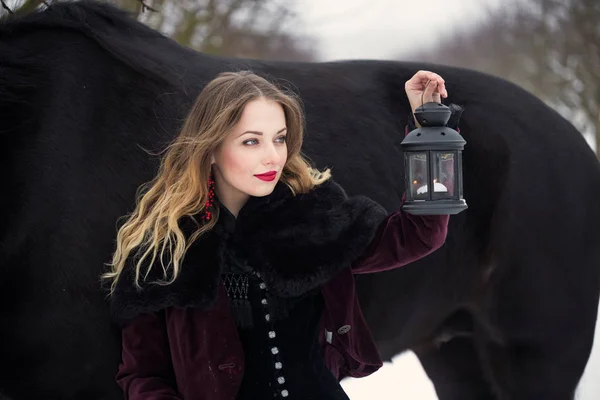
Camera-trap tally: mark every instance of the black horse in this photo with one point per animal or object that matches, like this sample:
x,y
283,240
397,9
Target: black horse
x,y
505,310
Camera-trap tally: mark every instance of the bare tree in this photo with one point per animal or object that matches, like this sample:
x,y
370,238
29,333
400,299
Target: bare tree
x,y
238,28
549,47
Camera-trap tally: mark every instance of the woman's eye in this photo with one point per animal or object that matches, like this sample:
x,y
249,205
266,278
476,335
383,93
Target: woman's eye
x,y
252,142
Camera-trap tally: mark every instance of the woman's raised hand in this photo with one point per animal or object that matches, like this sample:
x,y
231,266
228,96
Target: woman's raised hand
x,y
425,87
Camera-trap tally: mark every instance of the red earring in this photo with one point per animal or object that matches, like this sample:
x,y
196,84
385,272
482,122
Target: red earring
x,y
211,195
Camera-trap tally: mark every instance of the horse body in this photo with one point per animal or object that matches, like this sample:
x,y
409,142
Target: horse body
x,y
506,309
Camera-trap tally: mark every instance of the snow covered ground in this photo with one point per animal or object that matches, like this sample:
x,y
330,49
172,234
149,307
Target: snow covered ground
x,y
403,378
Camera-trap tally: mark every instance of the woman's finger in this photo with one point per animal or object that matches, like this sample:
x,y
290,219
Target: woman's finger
x,y
423,74
419,78
442,90
441,83
422,81
429,90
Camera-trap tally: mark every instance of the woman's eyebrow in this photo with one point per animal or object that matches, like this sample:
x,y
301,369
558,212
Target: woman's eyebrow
x,y
260,133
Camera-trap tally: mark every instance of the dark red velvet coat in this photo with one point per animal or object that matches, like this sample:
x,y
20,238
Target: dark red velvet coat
x,y
180,341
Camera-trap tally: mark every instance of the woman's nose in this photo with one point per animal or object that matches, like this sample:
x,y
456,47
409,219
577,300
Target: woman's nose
x,y
271,156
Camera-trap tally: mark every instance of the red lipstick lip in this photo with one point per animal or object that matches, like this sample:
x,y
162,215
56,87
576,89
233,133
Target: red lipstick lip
x,y
266,174
267,178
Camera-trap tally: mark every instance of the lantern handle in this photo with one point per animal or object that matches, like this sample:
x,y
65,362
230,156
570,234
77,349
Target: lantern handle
x,y
423,94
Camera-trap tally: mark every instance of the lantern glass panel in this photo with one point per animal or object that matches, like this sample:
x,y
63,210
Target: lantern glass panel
x,y
443,175
417,172
459,176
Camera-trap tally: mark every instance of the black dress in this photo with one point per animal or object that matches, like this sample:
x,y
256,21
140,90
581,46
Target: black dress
x,y
283,358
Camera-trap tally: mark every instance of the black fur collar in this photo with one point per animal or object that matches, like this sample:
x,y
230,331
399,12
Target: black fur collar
x,y
296,242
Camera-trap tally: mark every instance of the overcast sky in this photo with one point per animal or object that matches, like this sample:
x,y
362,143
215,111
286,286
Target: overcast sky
x,y
380,29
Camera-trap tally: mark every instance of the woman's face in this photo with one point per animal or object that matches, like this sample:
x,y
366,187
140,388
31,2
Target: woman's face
x,y
256,145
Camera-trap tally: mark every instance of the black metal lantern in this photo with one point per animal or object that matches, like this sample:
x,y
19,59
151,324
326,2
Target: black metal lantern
x,y
433,164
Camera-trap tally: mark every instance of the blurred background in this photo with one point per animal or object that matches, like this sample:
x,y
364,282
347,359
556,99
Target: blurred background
x,y
549,47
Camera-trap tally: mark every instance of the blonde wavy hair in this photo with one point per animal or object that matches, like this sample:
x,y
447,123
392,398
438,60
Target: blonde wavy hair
x,y
180,187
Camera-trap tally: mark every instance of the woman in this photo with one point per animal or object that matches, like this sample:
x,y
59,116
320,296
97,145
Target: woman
x,y
233,277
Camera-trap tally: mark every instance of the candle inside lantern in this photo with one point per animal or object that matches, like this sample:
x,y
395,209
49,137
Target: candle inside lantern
x,y
437,187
